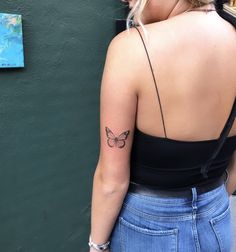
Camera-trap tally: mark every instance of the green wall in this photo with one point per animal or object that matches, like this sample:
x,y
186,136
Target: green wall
x,y
49,124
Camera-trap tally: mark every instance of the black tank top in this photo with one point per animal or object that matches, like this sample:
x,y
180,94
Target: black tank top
x,y
172,164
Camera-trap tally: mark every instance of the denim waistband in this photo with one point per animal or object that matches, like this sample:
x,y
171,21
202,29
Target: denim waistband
x,y
179,192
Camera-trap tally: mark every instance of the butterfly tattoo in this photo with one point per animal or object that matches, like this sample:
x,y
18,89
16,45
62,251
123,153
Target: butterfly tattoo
x,y
114,141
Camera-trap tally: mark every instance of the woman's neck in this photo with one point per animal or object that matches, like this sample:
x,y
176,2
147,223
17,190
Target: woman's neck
x,y
182,7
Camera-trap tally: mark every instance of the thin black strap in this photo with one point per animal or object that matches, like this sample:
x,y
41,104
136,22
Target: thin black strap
x,y
223,136
158,96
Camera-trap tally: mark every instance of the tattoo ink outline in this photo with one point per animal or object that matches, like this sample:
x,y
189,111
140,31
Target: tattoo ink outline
x,y
114,141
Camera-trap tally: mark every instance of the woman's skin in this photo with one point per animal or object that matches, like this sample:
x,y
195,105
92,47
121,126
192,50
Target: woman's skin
x,y
128,96
231,182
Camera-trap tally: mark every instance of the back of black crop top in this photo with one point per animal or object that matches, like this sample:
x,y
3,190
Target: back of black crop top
x,y
172,164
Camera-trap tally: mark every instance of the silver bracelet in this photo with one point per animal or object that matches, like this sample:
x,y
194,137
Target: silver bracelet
x,y
98,247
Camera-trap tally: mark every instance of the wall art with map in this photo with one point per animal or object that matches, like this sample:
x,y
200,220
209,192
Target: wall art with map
x,y
11,41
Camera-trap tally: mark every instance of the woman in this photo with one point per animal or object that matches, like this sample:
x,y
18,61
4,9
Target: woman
x,y
168,89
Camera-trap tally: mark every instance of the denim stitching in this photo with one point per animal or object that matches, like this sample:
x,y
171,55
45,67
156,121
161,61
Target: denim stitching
x,y
153,217
159,201
176,241
122,248
213,221
172,217
147,231
171,233
165,201
211,210
194,217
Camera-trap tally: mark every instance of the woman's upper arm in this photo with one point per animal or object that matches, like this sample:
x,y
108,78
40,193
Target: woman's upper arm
x,y
118,102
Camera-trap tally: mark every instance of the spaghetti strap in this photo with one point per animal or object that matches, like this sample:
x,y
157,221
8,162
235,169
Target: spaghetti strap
x,y
158,96
221,140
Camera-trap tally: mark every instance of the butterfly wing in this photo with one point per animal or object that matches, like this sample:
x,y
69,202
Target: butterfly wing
x,y
124,135
109,133
111,137
121,139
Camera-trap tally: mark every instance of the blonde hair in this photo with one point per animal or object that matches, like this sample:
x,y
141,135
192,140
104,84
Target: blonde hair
x,y
135,15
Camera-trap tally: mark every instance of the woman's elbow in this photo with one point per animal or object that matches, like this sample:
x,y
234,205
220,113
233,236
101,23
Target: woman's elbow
x,y
111,183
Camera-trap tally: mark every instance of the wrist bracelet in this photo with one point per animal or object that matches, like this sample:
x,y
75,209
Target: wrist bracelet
x,y
98,247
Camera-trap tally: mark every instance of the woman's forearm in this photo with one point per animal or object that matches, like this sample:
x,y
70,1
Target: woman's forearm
x,y
107,201
231,183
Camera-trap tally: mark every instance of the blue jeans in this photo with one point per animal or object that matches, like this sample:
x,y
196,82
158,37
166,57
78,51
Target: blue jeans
x,y
201,223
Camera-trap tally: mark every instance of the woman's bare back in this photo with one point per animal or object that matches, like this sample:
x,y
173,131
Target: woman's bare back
x,y
193,58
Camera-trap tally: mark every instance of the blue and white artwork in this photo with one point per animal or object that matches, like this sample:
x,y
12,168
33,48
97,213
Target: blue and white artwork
x,y
11,41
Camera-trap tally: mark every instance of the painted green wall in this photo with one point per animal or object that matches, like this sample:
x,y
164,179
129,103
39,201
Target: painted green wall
x,y
49,124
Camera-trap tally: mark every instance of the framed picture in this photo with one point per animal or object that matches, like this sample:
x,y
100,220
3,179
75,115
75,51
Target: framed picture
x,y
11,41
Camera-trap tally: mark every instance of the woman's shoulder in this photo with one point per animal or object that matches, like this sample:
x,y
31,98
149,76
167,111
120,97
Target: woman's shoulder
x,y
125,44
